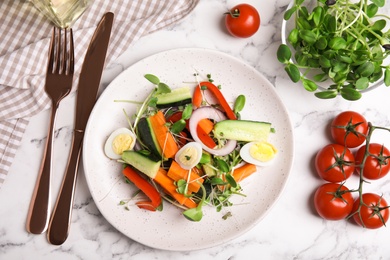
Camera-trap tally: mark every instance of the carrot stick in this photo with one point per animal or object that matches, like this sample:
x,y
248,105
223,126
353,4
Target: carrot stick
x,y
189,203
169,187
176,173
206,125
244,171
164,137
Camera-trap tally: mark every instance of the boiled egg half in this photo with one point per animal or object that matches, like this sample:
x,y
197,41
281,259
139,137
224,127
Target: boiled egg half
x,y
258,153
119,141
189,155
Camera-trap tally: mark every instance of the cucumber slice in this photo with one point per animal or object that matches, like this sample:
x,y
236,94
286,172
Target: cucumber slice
x,y
142,163
148,138
177,97
242,130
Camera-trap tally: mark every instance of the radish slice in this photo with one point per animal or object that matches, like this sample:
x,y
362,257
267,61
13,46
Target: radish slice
x,y
216,115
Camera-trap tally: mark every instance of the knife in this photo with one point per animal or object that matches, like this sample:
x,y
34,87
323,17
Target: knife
x,y
88,87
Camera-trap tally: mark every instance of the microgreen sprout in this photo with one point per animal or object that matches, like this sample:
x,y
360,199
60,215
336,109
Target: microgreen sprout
x,y
196,214
341,41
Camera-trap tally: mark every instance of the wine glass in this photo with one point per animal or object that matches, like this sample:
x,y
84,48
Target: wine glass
x,y
63,13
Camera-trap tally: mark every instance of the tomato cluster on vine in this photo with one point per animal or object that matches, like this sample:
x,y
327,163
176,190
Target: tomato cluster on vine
x,y
352,152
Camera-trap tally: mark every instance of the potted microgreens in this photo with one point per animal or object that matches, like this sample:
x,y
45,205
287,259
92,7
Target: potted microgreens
x,y
336,47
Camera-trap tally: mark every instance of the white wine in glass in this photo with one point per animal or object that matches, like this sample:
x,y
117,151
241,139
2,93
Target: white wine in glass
x,y
63,13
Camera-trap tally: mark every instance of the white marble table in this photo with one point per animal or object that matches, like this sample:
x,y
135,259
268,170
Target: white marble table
x,y
291,230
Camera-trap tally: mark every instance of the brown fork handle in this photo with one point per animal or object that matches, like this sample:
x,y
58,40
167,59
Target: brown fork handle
x,y
60,220
39,211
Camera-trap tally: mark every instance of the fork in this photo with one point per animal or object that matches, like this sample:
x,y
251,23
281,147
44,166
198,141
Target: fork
x,y
59,78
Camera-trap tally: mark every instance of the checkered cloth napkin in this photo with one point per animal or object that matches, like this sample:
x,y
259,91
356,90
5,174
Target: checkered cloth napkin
x,y
24,43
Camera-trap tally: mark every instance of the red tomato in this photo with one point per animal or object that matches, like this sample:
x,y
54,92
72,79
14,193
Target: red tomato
x,y
377,163
373,211
349,128
333,201
242,21
335,163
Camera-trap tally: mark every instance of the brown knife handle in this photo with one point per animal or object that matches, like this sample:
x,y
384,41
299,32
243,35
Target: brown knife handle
x,y
60,220
39,211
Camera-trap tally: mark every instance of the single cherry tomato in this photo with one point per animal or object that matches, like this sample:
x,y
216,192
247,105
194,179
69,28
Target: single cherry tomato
x,y
333,201
349,128
335,163
377,163
373,213
242,21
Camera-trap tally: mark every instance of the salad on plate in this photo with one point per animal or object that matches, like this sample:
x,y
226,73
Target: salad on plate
x,y
189,147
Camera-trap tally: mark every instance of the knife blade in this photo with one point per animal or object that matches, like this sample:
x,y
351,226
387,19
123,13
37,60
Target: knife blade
x,y
88,87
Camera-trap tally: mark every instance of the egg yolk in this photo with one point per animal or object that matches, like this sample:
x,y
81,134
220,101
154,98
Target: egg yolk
x,y
188,156
121,143
262,151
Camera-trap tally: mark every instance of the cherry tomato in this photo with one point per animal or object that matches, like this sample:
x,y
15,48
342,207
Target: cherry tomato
x,y
333,201
349,128
374,211
335,163
377,163
242,21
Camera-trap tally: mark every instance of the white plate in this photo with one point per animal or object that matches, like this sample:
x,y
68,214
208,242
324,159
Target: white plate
x,y
168,229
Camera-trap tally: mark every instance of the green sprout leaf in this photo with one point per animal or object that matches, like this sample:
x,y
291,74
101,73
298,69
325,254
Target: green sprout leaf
x,y
327,94
284,53
293,72
362,83
163,88
387,76
379,3
309,85
350,94
289,13
152,78
239,104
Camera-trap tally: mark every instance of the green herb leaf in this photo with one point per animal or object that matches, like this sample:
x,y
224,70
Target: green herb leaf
x,y
187,112
163,88
293,36
152,78
308,36
366,69
350,94
181,186
283,53
387,76
362,83
309,85
231,180
378,25
379,3
318,15
222,165
327,94
239,104
321,43
293,72
178,126
217,181
372,10
337,43
289,12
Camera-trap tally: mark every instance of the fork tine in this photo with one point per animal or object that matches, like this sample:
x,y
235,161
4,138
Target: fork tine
x,y
58,55
71,53
51,51
64,54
